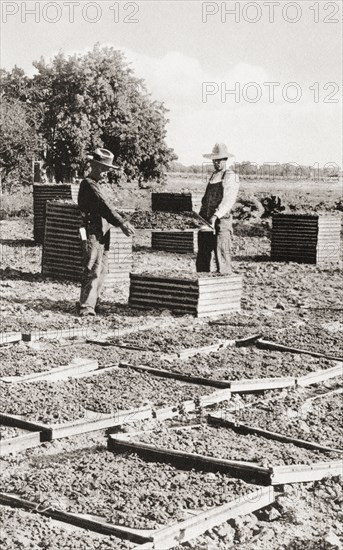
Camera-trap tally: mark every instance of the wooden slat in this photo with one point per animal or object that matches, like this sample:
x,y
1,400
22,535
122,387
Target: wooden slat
x,y
218,306
204,401
19,443
219,280
65,235
143,285
183,299
267,344
178,376
100,421
187,460
151,279
184,531
190,352
243,428
206,291
320,376
152,303
248,340
64,240
9,337
215,313
259,384
188,294
304,473
80,520
19,422
76,366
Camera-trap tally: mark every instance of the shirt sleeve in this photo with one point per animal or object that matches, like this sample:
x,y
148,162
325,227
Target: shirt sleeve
x,y
231,187
106,209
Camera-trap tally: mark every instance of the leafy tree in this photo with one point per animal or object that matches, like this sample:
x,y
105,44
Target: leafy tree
x,y
14,84
18,141
95,100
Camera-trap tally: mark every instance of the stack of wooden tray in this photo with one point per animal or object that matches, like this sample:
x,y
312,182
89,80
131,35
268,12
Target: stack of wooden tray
x,y
176,202
304,238
43,192
63,248
199,294
181,242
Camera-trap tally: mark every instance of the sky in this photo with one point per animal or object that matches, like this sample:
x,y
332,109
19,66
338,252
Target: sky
x,y
263,77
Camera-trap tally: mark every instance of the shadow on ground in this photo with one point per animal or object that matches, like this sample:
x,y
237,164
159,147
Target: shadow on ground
x,y
9,274
255,258
18,242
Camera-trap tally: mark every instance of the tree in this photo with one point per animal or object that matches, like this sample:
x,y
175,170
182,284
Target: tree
x,y
95,100
14,84
18,140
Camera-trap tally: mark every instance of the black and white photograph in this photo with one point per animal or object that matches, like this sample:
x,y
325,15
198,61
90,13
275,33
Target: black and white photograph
x,y
171,278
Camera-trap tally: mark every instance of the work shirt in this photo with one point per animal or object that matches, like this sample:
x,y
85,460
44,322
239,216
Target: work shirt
x,y
97,210
220,195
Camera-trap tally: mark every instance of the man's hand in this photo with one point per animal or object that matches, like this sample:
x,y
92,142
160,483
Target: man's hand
x,y
213,221
127,229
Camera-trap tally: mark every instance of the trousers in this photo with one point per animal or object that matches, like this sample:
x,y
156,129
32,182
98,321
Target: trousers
x,y
219,245
95,258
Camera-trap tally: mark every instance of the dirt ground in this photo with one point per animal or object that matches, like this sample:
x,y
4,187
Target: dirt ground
x,y
295,304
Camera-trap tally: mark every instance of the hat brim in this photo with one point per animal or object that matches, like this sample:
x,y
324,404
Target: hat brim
x,y
109,166
217,157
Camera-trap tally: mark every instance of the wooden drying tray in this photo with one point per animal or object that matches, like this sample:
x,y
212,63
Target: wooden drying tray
x,y
236,386
98,421
242,470
273,475
76,367
219,420
164,538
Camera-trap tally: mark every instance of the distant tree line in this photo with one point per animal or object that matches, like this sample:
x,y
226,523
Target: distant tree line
x,y
75,104
291,171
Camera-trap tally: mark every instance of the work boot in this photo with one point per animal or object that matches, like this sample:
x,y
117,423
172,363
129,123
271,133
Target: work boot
x,y
86,311
101,307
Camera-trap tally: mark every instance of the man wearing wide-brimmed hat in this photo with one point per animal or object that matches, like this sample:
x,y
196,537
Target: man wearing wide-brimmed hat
x,y
98,214
217,203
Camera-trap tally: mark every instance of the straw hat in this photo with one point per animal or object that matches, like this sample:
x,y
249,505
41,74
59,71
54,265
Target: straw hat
x,y
104,157
219,151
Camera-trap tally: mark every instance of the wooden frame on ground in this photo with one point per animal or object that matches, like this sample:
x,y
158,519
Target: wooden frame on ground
x,y
98,421
164,538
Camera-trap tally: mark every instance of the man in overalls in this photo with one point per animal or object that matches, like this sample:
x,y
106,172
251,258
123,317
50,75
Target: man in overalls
x,y
220,196
98,214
